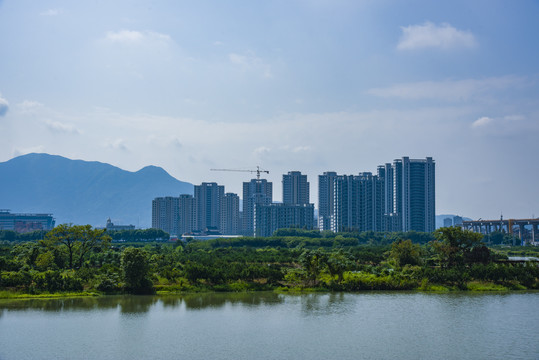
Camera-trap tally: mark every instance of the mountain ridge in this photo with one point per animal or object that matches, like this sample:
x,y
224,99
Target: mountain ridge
x,y
84,192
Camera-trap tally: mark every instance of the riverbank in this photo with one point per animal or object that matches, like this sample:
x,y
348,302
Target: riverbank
x,y
472,286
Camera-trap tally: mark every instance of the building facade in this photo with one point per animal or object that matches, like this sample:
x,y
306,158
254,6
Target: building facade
x,y
418,195
187,214
110,226
358,203
23,223
208,197
325,199
295,188
400,197
165,214
256,191
271,217
230,215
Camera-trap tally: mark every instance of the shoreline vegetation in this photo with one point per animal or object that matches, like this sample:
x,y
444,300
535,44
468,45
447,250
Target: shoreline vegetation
x,y
75,261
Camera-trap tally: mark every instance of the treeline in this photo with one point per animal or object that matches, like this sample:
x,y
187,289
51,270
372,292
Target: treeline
x,y
10,235
138,235
79,258
116,235
365,237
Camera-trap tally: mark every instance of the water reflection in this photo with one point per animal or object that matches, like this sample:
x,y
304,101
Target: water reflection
x,y
126,304
141,304
218,300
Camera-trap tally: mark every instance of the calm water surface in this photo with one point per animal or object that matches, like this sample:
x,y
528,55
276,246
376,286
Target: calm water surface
x,y
373,325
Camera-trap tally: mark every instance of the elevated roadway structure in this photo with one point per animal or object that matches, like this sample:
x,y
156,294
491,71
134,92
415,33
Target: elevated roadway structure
x,y
527,230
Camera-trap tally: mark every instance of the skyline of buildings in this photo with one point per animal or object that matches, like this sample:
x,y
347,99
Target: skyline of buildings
x,y
399,197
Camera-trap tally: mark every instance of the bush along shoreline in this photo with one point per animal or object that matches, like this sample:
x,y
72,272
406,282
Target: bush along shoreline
x,y
73,260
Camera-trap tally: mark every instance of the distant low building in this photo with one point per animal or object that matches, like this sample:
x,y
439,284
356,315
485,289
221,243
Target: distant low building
x,y
112,227
23,223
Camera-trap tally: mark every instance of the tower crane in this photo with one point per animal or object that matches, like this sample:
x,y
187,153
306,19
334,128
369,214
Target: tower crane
x,y
257,171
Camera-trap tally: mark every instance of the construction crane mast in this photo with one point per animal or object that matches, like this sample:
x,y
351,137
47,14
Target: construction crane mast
x,y
257,171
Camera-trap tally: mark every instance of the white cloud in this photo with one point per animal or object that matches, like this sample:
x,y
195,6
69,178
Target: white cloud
x,y
299,149
51,12
117,144
250,62
4,106
507,125
132,36
261,151
29,107
429,35
449,90
482,121
59,127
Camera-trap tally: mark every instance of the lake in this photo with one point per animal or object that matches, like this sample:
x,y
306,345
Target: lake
x,y
370,325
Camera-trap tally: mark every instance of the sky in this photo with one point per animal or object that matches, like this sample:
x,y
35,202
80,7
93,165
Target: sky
x,y
311,86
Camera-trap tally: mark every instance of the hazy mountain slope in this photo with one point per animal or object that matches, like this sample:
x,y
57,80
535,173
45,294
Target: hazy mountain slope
x,y
84,192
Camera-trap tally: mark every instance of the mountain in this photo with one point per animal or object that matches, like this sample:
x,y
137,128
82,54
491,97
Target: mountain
x,y
84,192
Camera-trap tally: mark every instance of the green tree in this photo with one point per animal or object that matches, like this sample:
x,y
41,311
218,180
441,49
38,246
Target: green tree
x,y
312,262
136,271
78,240
338,262
404,252
453,245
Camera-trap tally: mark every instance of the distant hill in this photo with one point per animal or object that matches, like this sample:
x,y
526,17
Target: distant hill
x,y
83,192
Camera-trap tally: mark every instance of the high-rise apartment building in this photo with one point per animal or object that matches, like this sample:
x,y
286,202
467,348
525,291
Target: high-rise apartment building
x,y
208,197
410,195
165,214
325,199
345,216
295,188
230,214
371,202
256,191
418,198
358,203
187,214
269,218
295,211
400,197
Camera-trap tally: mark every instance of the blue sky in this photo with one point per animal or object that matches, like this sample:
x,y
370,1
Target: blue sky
x,y
288,85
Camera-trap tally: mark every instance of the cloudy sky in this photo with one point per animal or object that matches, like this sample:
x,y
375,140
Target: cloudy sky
x,y
314,86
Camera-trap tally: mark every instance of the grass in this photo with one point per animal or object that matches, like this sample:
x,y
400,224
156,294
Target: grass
x,y
19,295
485,286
